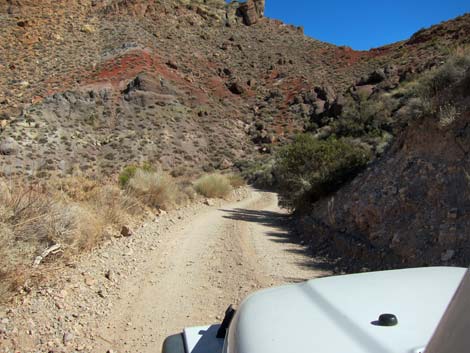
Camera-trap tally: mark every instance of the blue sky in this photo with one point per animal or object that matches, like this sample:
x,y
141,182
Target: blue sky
x,y
364,24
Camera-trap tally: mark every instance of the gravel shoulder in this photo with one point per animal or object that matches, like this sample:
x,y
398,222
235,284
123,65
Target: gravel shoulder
x,y
178,270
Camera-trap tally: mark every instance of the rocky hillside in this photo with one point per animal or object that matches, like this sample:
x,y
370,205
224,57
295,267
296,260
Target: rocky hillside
x,y
97,85
410,207
90,87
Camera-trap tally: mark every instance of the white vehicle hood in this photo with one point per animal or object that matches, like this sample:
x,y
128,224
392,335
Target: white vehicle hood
x,y
338,314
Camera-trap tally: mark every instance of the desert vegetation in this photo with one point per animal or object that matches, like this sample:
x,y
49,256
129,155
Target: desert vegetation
x,y
155,188
309,169
70,215
439,91
74,214
334,149
213,185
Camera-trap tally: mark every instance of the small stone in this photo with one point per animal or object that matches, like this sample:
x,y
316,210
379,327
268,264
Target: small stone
x,y
171,64
89,281
8,146
109,274
453,213
126,231
67,338
447,255
209,202
88,29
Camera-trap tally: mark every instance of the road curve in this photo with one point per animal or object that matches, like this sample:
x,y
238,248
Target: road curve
x,y
212,259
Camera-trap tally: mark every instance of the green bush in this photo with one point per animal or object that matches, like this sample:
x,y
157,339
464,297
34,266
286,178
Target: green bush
x,y
431,83
259,173
309,169
213,185
128,172
451,72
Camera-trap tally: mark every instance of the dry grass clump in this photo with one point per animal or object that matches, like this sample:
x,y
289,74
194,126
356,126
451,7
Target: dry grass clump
x,y
76,188
155,189
31,220
236,181
213,185
114,205
73,212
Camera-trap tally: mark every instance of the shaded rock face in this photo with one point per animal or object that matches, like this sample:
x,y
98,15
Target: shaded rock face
x,y
410,209
251,11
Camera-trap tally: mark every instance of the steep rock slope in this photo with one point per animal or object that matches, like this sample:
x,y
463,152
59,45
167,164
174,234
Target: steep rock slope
x,y
410,208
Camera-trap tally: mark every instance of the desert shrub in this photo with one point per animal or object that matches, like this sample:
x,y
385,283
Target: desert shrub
x,y
76,188
128,172
213,185
114,205
179,171
77,227
188,190
309,169
35,217
28,212
430,84
40,218
154,188
365,117
447,114
236,180
72,212
259,173
446,75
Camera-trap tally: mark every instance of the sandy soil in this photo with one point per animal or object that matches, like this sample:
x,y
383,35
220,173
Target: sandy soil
x,y
180,270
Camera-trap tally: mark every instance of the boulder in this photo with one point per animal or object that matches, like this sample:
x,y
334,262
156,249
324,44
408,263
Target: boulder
x,y
362,92
225,164
235,87
319,107
150,83
374,78
251,11
8,146
336,109
325,93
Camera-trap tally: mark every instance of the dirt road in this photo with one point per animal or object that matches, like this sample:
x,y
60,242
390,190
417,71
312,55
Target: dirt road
x,y
177,271
215,259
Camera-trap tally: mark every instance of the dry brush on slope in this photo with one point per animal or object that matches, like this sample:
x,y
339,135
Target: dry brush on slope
x,y
68,216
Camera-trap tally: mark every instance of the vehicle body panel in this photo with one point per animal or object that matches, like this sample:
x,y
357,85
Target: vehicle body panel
x,y
337,314
202,339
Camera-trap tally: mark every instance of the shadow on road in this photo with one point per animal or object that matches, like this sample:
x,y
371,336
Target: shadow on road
x,y
281,232
267,218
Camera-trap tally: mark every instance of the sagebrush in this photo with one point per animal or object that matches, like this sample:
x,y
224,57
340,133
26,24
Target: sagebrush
x,y
213,185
